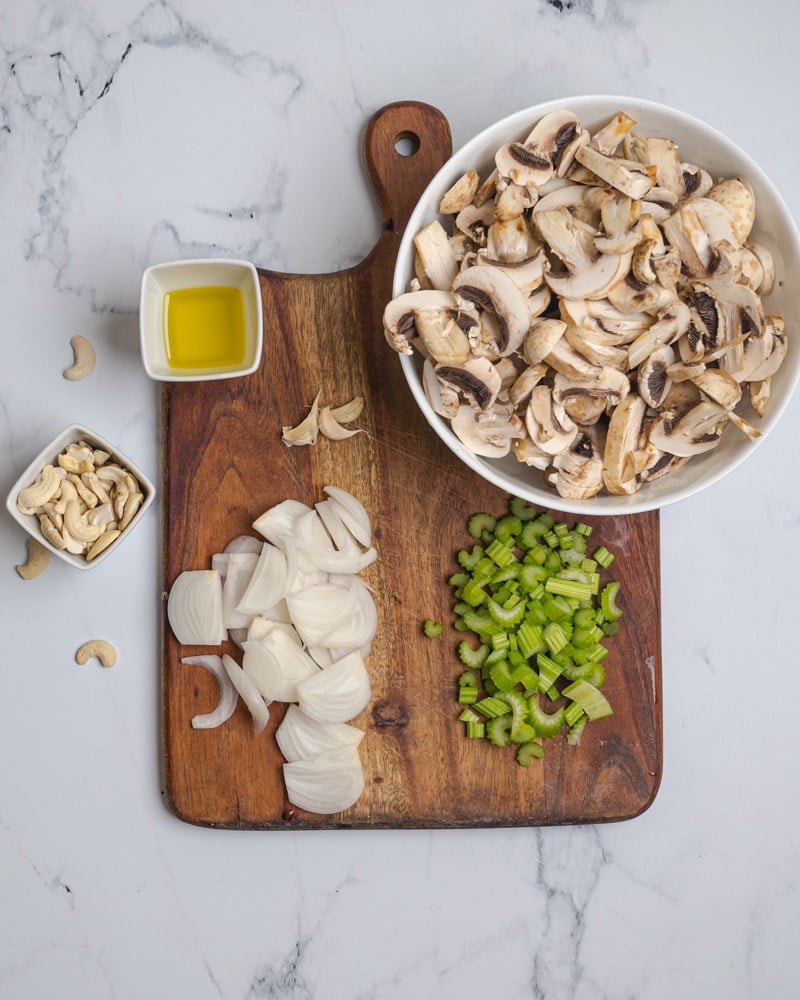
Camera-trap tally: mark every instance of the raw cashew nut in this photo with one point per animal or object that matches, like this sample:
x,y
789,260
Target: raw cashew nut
x,y
38,560
83,351
105,652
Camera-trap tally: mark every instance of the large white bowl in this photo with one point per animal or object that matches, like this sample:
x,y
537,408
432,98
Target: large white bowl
x,y
698,143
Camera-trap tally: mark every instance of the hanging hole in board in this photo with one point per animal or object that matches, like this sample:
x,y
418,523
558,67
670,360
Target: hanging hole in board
x,y
406,143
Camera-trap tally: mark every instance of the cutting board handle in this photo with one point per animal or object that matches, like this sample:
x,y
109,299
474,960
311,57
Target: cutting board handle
x,y
404,145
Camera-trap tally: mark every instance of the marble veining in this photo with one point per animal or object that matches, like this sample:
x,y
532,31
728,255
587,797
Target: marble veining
x,y
133,132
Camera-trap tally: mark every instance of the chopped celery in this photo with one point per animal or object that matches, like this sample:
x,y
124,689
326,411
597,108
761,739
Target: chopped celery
x,y
525,751
472,657
431,628
534,598
498,730
480,523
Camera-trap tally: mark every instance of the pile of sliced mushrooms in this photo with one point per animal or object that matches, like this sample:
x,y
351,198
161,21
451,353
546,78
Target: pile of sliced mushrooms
x,y
594,306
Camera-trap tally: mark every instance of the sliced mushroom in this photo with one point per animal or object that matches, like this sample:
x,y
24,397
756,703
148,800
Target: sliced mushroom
x,y
509,239
489,434
720,387
764,257
736,195
443,338
608,138
492,290
541,338
586,400
590,274
520,392
477,379
550,427
460,194
670,324
696,432
652,379
627,176
443,398
400,315
577,473
435,256
622,442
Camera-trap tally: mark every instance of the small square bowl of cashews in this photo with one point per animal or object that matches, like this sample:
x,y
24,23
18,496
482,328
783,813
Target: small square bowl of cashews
x,y
80,497
595,305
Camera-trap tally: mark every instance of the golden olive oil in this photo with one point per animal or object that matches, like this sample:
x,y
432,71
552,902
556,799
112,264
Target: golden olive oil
x,y
204,327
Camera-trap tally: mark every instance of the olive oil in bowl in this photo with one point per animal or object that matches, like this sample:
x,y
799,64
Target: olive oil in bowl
x,y
204,327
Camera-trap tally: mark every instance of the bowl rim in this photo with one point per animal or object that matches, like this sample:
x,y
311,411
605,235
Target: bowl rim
x,y
473,152
254,283
76,432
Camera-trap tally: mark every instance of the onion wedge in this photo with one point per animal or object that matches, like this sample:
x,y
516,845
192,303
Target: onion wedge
x,y
330,783
194,608
248,692
268,582
299,737
228,695
337,693
353,513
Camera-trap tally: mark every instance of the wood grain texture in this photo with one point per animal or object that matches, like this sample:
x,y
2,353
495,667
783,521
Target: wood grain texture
x,y
224,463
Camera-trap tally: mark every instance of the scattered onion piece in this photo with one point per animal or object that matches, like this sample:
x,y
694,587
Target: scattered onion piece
x,y
194,608
327,784
353,513
228,695
248,692
299,737
337,693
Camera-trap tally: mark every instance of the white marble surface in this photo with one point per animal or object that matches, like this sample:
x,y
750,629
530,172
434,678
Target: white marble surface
x,y
134,131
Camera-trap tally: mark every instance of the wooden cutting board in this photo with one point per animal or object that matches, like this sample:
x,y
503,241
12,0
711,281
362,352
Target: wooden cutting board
x,y
224,464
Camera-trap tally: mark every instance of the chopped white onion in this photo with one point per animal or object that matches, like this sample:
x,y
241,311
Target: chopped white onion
x,y
318,609
237,579
244,543
328,784
337,693
268,582
194,608
353,513
335,526
248,692
294,663
358,630
300,737
228,695
305,623
279,520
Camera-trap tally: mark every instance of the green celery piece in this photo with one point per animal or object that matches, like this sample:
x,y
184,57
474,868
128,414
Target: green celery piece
x,y
593,702
431,628
555,637
575,731
522,509
469,558
546,724
498,730
492,706
574,713
521,729
500,553
476,730
472,657
529,639
501,675
508,528
603,556
527,751
505,617
480,523
467,715
549,671
608,601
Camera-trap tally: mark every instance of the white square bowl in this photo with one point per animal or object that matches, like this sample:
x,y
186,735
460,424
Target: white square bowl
x,y
161,279
49,455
